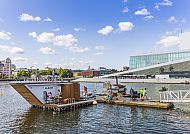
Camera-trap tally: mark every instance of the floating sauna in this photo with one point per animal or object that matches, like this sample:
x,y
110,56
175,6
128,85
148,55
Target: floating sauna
x,y
51,95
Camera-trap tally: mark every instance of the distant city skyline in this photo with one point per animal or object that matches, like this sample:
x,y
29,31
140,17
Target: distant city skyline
x,y
78,33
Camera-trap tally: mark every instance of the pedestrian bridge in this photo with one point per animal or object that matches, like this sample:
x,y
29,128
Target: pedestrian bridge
x,y
175,96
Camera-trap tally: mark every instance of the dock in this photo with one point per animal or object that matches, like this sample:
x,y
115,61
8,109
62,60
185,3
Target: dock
x,y
137,103
65,107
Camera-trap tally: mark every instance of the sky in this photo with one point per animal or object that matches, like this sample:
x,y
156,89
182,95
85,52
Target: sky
x,y
78,33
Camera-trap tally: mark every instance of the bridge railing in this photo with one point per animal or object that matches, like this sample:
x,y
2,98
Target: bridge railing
x,y
175,96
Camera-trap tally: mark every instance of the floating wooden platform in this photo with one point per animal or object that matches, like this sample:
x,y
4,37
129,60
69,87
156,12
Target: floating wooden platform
x,y
33,93
139,103
64,107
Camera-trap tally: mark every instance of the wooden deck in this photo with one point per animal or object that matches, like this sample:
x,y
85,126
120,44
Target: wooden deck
x,y
64,107
137,103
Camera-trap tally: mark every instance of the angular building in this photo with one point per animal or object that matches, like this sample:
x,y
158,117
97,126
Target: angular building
x,y
174,64
140,61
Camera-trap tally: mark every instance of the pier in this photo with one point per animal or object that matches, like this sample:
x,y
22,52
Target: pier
x,y
136,103
65,107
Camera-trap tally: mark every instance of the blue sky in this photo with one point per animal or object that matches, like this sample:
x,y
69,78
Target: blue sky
x,y
78,33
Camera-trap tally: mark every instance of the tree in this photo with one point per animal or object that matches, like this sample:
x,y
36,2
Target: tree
x,y
45,72
65,73
23,73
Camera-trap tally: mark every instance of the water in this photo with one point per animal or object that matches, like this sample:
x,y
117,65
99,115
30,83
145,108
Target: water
x,y
17,116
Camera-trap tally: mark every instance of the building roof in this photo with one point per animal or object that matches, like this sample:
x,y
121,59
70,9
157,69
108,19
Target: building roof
x,y
145,68
150,54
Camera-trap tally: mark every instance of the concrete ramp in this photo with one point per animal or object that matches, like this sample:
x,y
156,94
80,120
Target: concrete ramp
x,y
26,94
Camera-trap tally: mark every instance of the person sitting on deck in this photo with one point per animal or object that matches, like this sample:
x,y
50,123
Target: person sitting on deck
x,y
50,97
132,92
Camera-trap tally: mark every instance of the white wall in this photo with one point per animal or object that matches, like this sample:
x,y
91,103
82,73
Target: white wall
x,y
38,89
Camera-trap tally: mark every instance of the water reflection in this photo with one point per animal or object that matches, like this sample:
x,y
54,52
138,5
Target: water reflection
x,y
40,121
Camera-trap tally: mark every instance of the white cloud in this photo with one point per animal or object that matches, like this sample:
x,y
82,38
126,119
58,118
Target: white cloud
x,y
125,26
143,12
149,17
106,30
56,29
33,34
47,50
84,63
168,41
98,53
1,20
10,49
16,50
99,47
27,17
45,37
68,41
172,19
163,3
65,40
184,40
77,49
20,59
181,41
48,64
125,10
157,7
176,31
77,29
48,19
5,35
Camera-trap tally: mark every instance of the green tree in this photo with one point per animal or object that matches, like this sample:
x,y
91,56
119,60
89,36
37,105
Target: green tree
x,y
23,73
65,73
45,72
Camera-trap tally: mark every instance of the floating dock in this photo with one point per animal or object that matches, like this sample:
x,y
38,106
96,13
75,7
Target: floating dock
x,y
136,103
56,96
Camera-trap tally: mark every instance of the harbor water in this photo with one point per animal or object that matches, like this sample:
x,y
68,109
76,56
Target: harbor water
x,y
17,116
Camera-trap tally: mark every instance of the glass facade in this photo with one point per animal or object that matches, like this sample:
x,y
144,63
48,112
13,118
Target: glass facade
x,y
147,60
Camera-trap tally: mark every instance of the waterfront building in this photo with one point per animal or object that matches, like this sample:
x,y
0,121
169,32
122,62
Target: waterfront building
x,y
174,64
77,73
6,68
140,61
104,71
90,73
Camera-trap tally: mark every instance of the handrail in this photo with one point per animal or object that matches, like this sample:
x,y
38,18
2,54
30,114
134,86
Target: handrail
x,y
175,96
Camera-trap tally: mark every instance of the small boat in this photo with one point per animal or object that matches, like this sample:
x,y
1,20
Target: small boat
x,y
118,88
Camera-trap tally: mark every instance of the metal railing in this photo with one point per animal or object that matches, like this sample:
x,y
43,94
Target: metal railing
x,y
175,96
